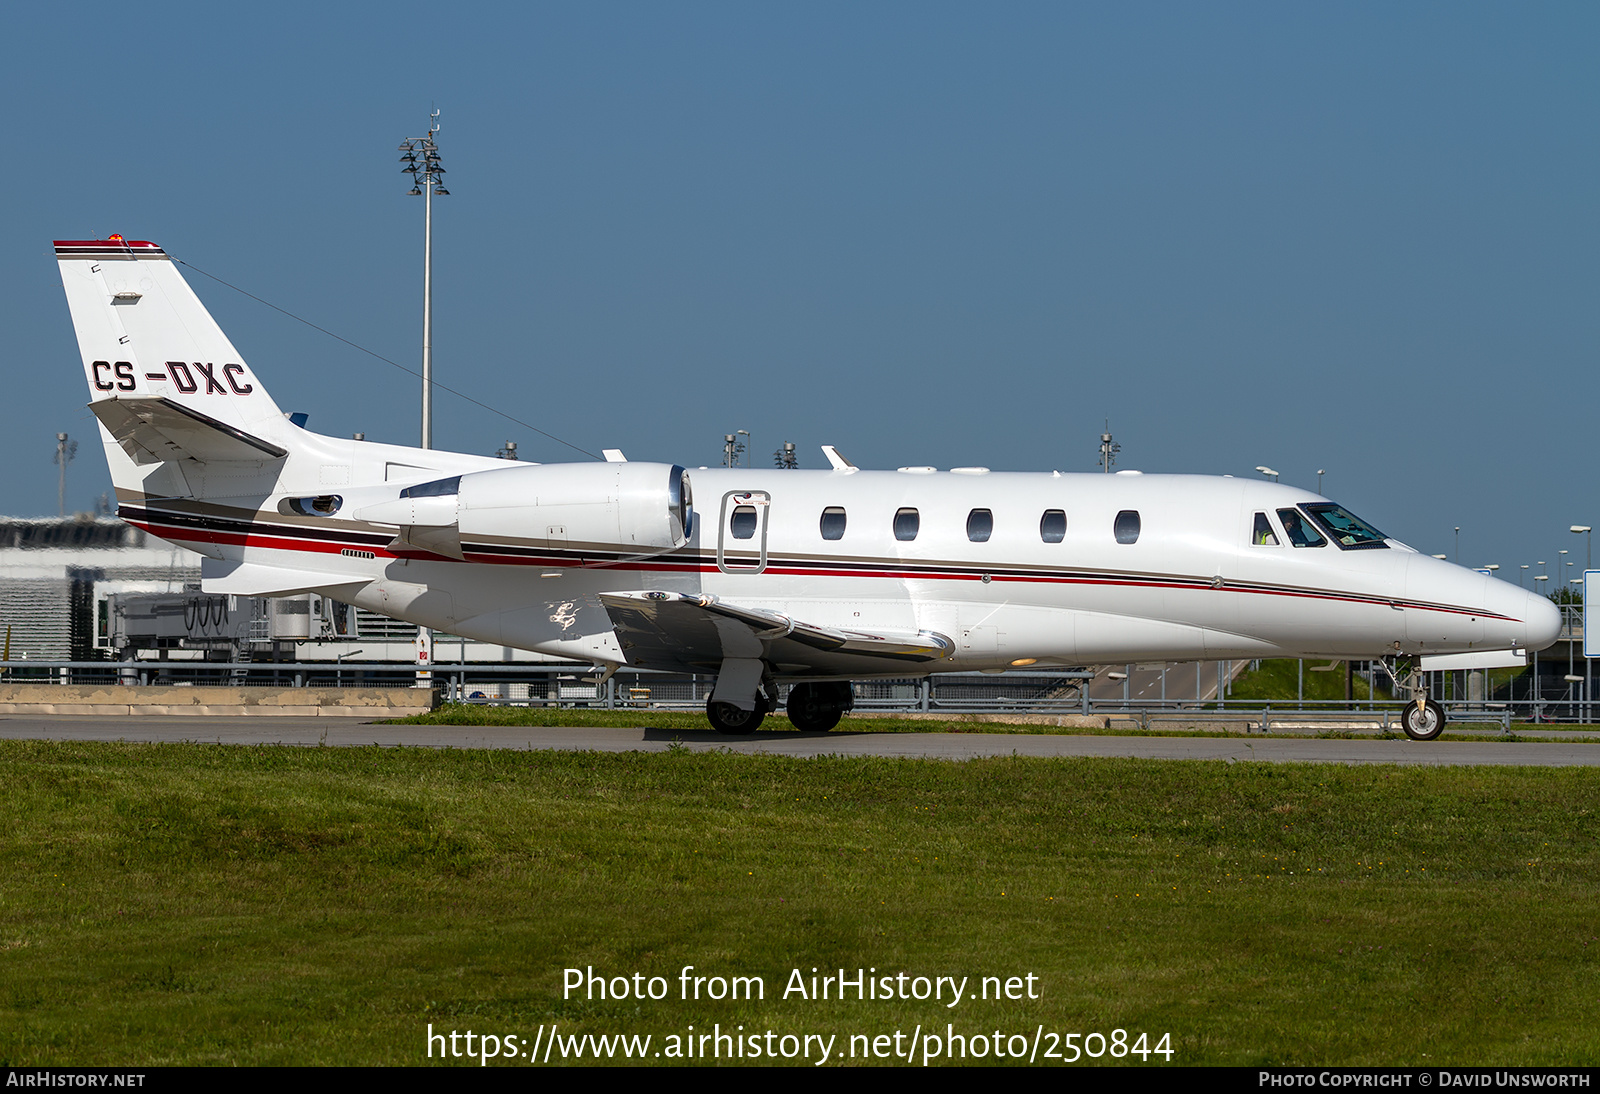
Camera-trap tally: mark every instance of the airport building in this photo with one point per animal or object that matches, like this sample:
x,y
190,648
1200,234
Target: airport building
x,y
88,588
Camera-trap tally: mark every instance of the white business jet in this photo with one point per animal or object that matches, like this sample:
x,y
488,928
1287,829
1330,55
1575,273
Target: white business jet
x,y
807,578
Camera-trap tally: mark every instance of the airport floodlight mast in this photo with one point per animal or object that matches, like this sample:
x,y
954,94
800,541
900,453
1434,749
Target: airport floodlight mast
x,y
1268,472
420,159
785,458
66,449
1588,538
734,449
1108,449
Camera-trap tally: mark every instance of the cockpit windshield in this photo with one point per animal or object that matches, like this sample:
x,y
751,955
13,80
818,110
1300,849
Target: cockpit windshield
x,y
1300,532
1346,529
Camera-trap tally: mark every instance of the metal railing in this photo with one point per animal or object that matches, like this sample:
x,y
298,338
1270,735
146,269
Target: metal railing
x,y
578,685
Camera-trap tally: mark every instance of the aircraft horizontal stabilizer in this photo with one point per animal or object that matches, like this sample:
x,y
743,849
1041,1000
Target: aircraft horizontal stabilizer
x,y
155,429
254,579
698,632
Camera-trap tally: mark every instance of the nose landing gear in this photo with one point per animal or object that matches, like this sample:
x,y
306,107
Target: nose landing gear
x,y
1422,719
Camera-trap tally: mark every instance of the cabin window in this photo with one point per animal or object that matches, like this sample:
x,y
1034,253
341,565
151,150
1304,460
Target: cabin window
x,y
1127,526
742,525
1299,529
906,523
1263,534
833,522
1053,526
1346,529
980,525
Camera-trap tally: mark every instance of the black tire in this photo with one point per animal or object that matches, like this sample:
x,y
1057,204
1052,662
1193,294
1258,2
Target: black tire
x,y
1424,724
727,718
817,708
812,709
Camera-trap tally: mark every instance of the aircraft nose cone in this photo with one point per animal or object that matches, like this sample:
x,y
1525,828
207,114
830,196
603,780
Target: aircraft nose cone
x,y
1543,621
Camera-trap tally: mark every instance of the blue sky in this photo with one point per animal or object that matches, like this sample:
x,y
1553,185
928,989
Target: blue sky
x,y
1358,237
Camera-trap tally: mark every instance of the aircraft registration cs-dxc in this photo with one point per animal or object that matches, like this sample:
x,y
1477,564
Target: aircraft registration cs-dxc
x,y
804,578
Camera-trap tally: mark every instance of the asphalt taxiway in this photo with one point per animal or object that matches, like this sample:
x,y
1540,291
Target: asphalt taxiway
x,y
346,733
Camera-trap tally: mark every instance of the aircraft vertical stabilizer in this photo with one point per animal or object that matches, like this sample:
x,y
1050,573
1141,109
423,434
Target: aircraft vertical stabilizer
x,y
164,380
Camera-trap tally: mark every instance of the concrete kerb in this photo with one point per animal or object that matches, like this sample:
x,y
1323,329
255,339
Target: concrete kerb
x,y
215,701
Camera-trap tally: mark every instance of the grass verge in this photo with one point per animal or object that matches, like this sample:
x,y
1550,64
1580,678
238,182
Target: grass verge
x,y
199,904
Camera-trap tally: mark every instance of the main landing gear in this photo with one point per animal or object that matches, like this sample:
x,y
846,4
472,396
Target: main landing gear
x,y
817,708
813,708
727,718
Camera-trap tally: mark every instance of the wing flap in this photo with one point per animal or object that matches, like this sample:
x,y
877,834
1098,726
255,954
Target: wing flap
x,y
697,633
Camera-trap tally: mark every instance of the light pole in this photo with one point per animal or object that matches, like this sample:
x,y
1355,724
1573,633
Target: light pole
x,y
66,449
1108,449
1588,564
1457,558
1268,472
1320,473
420,157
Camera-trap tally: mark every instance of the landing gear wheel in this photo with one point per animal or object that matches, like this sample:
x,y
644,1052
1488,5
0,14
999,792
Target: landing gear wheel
x,y
727,718
817,708
1424,724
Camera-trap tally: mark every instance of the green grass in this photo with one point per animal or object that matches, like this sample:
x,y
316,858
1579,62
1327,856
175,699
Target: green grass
x,y
195,904
1278,681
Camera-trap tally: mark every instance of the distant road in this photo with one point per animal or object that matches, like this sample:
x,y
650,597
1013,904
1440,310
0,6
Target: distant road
x,y
948,746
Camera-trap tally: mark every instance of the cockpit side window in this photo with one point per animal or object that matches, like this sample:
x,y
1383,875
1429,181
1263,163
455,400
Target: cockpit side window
x,y
1263,535
1299,529
1346,529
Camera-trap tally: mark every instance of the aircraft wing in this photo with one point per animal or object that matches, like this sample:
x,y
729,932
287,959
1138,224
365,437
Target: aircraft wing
x,y
686,632
153,429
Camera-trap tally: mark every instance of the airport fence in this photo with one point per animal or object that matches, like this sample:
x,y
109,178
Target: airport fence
x,y
577,685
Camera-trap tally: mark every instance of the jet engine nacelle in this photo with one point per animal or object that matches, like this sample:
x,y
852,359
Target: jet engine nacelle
x,y
627,508
635,508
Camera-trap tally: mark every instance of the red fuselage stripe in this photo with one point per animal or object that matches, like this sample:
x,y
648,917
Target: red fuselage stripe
x,y
286,542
